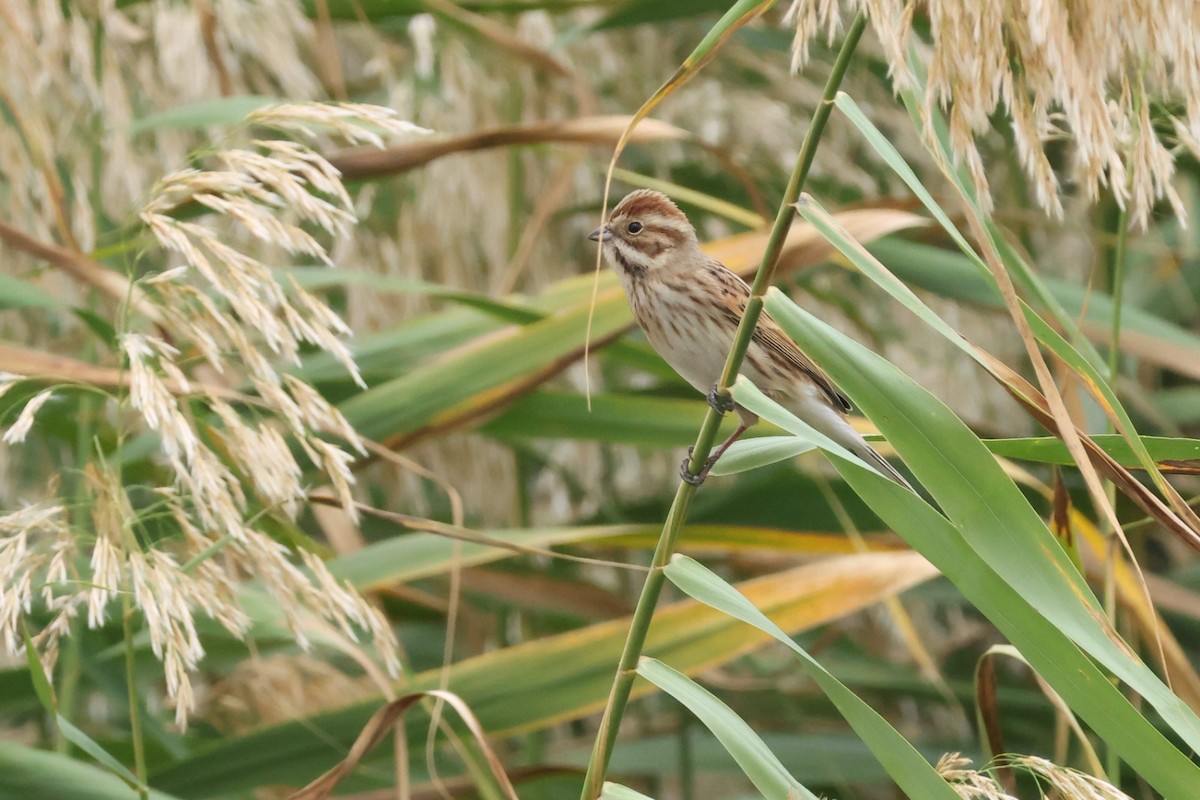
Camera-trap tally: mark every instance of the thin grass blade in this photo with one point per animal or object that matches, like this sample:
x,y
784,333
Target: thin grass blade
x,y
740,741
915,776
993,516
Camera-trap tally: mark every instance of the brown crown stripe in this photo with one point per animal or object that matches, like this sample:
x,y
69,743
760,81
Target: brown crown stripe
x,y
645,203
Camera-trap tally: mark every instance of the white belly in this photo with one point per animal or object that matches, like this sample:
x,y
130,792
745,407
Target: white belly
x,y
696,341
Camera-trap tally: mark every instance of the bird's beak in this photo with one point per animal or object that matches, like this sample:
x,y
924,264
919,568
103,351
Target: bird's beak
x,y
601,234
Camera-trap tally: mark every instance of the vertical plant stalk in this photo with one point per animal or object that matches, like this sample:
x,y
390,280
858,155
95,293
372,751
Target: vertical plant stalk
x,y
618,697
1118,295
1117,288
135,713
1113,551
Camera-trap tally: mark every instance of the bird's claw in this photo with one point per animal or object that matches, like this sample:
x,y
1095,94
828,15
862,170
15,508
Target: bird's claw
x,y
694,478
720,401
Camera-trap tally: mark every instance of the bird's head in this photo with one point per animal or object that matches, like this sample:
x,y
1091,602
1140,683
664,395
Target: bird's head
x,y
646,232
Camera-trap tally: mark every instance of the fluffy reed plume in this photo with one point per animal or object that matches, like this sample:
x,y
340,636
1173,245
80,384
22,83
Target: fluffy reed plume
x,y
231,460
1064,782
970,784
1068,783
1091,73
69,101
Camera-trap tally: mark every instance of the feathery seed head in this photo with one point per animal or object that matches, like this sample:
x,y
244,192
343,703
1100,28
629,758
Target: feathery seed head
x,y
19,429
1091,72
971,784
220,298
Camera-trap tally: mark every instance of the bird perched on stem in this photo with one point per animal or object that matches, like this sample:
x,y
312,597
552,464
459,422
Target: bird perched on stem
x,y
690,305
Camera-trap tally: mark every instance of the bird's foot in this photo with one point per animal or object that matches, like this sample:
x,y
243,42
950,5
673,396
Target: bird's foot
x,y
695,478
721,402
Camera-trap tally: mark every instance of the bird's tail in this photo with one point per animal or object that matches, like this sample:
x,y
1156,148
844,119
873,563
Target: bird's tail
x,y
840,430
834,425
868,454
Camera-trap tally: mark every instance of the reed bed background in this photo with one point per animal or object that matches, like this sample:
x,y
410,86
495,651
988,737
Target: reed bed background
x,y
301,446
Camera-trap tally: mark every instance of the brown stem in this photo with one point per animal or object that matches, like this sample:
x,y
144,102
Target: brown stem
x,y
79,266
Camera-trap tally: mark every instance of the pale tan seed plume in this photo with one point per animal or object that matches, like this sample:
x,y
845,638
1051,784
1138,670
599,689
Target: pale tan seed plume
x,y
217,296
1089,73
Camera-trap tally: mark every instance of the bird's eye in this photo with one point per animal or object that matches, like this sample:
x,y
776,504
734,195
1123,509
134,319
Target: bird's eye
x,y
634,227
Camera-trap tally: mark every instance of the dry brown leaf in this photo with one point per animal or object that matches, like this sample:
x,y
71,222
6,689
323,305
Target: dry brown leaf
x,y
1035,403
804,245
1149,348
598,130
79,266
544,593
377,729
49,366
1094,553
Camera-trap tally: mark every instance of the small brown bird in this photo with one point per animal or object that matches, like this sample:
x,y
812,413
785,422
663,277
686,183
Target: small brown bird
x,y
690,305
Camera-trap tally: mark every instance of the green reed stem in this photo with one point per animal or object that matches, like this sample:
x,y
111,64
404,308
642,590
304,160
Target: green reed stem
x,y
1118,295
135,712
1112,760
618,697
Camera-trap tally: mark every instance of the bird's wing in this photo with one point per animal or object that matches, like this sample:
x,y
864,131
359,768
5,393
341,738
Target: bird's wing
x,y
771,338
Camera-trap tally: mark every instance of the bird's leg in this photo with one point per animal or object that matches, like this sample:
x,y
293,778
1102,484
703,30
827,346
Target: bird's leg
x,y
721,402
695,479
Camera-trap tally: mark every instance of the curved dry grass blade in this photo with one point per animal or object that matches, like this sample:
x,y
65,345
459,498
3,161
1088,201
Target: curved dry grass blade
x,y
987,707
1056,700
805,245
555,679
1041,408
740,14
598,130
1092,547
1149,347
378,727
1036,405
